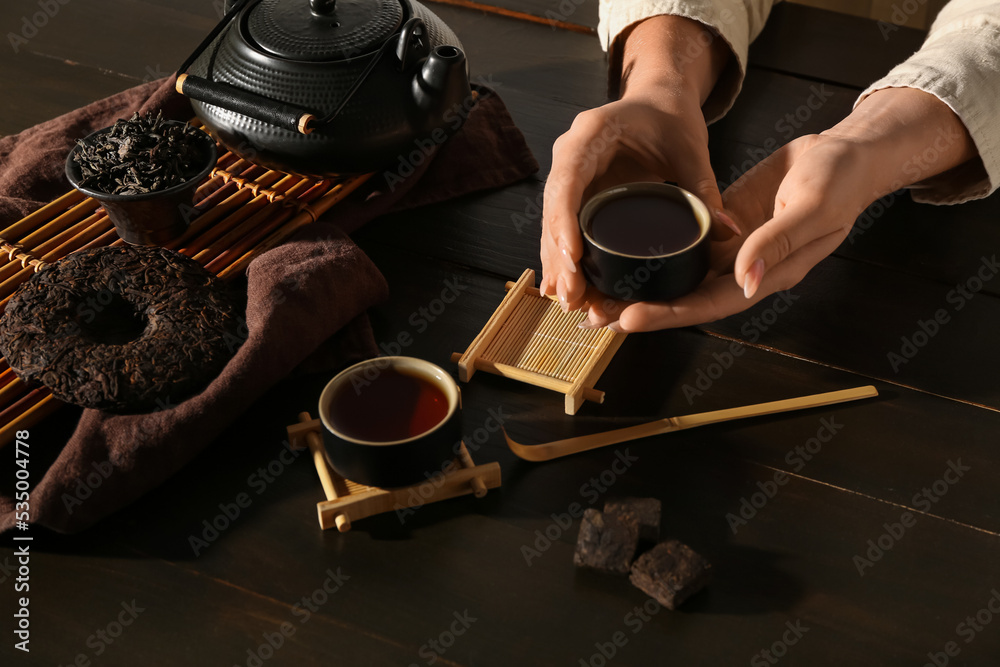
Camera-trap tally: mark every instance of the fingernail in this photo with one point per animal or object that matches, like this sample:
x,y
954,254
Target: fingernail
x,y
751,281
614,326
561,293
567,259
727,221
588,323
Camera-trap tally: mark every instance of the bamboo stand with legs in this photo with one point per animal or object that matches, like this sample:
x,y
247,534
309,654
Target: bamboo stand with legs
x,y
348,501
530,339
240,211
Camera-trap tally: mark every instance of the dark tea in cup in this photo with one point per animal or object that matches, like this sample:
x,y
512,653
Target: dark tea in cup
x,y
645,225
395,404
391,421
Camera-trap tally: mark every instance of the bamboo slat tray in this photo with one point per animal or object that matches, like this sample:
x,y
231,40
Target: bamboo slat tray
x,y
530,339
240,211
348,501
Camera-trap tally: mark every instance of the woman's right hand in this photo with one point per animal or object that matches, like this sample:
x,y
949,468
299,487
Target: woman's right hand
x,y
657,137
655,132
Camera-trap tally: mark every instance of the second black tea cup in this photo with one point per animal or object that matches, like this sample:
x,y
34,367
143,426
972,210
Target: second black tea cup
x,y
391,421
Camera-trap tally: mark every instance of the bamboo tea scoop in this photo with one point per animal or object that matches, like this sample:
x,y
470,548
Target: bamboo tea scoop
x,y
554,450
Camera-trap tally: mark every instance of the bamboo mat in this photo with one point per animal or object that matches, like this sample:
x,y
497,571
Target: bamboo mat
x,y
241,210
530,339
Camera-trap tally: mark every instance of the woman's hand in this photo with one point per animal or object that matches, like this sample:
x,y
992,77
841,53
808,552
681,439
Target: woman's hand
x,y
655,132
793,209
633,139
797,205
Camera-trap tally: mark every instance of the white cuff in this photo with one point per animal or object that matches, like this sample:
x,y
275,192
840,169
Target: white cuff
x,y
959,64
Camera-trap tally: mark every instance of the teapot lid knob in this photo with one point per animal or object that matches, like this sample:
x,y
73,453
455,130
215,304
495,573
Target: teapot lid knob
x,y
323,7
321,30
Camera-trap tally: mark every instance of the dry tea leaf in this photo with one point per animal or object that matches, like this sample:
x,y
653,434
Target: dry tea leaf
x,y
140,155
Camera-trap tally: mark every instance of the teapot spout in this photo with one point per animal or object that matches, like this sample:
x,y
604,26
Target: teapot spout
x,y
441,88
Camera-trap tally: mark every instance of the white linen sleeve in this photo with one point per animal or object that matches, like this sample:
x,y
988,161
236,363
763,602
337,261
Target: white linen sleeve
x,y
959,63
738,22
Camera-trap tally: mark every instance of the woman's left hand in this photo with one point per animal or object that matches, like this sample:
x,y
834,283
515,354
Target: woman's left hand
x,y
797,205
794,208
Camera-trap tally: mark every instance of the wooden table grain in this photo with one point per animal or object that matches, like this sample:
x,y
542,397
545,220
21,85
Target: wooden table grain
x,y
860,534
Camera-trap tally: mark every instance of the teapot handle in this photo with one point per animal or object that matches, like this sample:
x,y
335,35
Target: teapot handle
x,y
284,115
410,46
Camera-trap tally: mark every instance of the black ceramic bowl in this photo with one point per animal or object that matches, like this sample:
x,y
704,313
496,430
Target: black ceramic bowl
x,y
390,463
153,218
645,241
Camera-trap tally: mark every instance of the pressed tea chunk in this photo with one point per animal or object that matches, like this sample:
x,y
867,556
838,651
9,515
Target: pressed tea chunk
x,y
646,512
606,542
670,573
121,329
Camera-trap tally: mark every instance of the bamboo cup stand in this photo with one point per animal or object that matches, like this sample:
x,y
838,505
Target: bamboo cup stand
x,y
240,211
530,339
348,501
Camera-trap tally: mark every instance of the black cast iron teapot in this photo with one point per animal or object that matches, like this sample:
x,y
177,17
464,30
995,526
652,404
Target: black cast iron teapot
x,y
324,87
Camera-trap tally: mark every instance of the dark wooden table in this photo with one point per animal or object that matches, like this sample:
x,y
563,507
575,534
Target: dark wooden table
x,y
862,534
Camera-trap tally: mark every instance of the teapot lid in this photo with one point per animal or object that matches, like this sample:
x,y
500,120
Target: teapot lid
x,y
323,30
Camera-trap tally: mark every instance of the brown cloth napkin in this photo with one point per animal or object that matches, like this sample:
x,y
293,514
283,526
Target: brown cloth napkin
x,y
306,298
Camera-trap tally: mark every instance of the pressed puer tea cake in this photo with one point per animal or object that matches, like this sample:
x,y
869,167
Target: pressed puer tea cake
x,y
122,329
